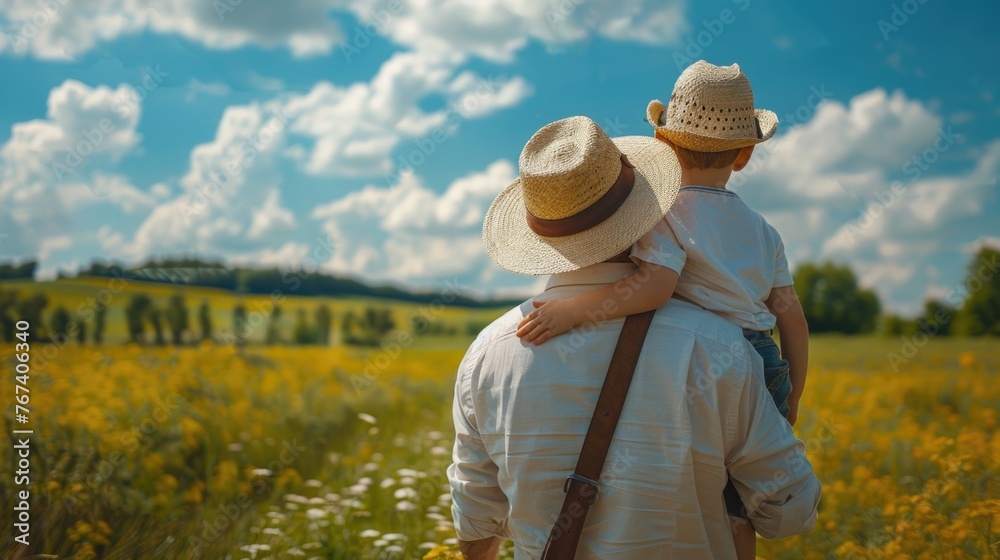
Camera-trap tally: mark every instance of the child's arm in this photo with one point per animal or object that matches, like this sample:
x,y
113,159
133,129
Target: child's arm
x,y
794,331
647,288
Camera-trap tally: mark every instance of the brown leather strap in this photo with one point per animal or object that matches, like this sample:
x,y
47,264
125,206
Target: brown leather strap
x,y
581,487
600,210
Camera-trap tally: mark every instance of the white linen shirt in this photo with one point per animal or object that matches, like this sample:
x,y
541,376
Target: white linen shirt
x,y
697,406
727,255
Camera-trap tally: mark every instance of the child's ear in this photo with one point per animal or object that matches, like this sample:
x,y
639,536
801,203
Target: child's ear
x,y
743,159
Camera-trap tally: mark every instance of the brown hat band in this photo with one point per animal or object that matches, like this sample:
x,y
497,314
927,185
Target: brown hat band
x,y
600,210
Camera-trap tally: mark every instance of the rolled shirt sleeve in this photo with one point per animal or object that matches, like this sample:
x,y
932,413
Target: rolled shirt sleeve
x,y
660,246
769,468
479,507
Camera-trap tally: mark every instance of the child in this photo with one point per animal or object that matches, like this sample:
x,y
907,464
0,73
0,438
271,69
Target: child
x,y
710,249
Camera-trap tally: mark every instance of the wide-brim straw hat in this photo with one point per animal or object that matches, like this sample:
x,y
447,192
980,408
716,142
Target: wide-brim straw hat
x,y
712,110
581,198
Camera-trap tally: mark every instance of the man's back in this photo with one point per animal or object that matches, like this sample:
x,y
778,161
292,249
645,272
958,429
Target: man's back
x,y
695,406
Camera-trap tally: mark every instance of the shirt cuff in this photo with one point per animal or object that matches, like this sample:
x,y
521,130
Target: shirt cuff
x,y
673,262
470,529
782,279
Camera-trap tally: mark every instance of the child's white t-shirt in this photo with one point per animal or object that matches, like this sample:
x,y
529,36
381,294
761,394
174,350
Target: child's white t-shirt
x,y
727,255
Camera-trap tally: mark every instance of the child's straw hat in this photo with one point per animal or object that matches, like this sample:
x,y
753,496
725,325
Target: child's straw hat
x,y
581,199
711,110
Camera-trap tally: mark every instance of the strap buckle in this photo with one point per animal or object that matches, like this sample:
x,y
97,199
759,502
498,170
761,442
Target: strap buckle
x,y
585,480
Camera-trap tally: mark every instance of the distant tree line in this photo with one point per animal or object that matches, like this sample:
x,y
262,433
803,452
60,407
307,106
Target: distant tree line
x,y
25,270
830,295
833,302
195,272
971,308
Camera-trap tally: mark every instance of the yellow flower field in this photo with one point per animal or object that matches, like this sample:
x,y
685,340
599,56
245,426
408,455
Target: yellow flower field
x,y
339,452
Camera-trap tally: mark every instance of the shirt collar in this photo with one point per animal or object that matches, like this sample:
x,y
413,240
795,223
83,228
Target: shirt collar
x,y
601,273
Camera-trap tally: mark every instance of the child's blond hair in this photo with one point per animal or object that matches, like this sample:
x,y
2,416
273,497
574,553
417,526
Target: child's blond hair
x,y
705,160
693,159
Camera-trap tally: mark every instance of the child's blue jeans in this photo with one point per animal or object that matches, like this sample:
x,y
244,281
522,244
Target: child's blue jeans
x,y
778,385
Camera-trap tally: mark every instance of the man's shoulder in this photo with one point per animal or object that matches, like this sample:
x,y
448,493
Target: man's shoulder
x,y
502,327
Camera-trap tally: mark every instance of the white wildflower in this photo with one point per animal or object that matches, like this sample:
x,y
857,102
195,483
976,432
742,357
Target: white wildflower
x,y
406,494
316,513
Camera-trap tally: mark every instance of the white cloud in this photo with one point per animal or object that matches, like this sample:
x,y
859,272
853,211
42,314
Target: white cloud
x,y
50,245
828,187
61,29
355,128
197,87
50,168
264,82
409,231
271,219
229,200
984,242
289,256
494,29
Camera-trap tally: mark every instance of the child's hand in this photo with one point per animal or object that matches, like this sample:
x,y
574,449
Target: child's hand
x,y
550,318
793,411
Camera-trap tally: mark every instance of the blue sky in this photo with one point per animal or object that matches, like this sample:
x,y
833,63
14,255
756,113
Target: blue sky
x,y
387,127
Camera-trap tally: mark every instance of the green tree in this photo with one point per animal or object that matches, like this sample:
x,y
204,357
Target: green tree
x,y
936,319
60,323
81,330
240,327
205,320
99,316
273,335
369,328
30,309
135,317
156,320
303,333
8,298
324,321
980,312
894,325
177,318
832,300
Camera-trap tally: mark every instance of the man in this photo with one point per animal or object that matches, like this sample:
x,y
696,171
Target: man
x,y
696,408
